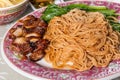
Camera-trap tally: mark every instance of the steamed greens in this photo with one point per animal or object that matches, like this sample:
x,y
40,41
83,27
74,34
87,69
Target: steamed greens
x,y
51,11
55,10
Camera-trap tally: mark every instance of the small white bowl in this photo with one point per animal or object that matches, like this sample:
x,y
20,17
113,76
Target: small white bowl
x,y
8,14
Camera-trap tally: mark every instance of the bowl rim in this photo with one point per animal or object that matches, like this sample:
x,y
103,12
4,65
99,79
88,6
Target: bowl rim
x,y
6,8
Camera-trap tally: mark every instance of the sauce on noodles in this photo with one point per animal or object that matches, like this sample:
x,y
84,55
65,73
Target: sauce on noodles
x,y
80,40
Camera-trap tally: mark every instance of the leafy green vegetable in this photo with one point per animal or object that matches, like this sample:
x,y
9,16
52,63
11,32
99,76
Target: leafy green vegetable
x,y
102,9
55,10
84,7
97,7
106,12
51,11
115,25
79,6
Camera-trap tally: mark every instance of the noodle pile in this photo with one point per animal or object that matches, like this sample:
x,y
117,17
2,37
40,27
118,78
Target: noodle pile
x,y
80,40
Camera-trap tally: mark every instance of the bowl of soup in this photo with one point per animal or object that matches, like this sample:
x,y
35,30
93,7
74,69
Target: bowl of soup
x,y
11,9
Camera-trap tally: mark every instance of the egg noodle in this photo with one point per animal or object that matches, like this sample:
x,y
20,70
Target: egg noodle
x,y
80,40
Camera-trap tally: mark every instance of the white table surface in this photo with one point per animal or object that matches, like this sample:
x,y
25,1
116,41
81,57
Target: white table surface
x,y
6,73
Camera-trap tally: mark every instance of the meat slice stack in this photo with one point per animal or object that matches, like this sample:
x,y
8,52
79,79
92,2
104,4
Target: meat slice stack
x,y
27,39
